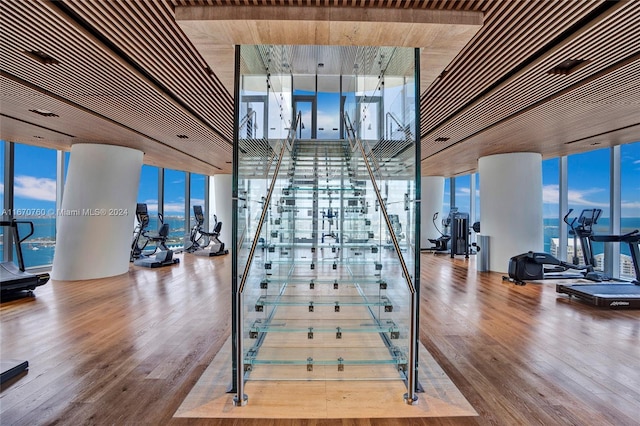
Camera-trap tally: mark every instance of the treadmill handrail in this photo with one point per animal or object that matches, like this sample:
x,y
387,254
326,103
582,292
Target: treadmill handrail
x,y
13,224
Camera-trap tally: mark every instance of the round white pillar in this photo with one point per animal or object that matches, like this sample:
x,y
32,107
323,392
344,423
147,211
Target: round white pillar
x,y
432,194
95,222
222,206
511,205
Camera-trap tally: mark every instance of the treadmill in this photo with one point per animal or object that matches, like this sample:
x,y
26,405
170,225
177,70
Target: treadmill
x,y
615,295
14,278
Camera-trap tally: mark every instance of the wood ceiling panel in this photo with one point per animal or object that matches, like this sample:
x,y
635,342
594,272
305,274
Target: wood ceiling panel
x,y
128,73
602,113
91,78
607,41
73,125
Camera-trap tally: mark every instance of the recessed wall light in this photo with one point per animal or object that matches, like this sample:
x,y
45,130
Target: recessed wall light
x,y
41,57
44,112
568,66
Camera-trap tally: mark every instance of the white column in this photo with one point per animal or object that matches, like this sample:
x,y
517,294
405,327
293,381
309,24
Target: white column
x,y
222,206
432,197
95,223
511,205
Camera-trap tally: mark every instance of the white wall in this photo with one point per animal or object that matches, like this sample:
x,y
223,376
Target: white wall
x,y
432,189
95,224
511,205
221,186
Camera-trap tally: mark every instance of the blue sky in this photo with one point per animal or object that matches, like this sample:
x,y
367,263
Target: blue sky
x,y
588,182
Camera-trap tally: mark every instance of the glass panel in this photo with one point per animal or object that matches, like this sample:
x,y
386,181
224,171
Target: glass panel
x,y
630,198
148,193
463,193
4,216
197,196
307,111
325,286
35,201
328,116
550,206
588,182
174,207
477,195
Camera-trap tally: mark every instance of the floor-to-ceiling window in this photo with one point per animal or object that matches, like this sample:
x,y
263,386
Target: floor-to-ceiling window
x,y
2,147
550,206
35,201
148,193
588,188
630,201
463,193
197,196
174,202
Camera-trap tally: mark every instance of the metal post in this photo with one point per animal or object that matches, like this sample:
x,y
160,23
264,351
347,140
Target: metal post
x,y
240,399
410,397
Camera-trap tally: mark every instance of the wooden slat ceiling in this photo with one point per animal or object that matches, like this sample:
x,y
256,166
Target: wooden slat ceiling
x,y
128,75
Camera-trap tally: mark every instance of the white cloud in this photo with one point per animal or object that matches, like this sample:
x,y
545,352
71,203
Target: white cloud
x,y
173,208
197,201
35,188
578,197
1,188
550,194
465,192
636,162
152,205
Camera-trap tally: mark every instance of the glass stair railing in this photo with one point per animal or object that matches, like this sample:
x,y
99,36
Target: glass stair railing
x,y
317,294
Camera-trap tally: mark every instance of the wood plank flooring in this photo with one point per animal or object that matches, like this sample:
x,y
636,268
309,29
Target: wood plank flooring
x,y
128,350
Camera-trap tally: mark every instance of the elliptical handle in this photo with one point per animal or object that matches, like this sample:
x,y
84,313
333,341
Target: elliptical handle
x,y
566,218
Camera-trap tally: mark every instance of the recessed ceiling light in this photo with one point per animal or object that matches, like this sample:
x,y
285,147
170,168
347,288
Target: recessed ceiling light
x,y
568,66
38,137
183,136
442,139
44,112
41,57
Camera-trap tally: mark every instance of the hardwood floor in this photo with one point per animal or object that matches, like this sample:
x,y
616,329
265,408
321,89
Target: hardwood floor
x,y
127,350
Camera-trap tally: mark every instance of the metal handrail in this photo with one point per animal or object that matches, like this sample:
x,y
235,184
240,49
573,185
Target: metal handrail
x,y
410,396
405,128
394,239
246,119
240,398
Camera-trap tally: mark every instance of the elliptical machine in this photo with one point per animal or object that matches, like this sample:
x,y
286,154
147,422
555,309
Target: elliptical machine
x,y
200,239
441,244
142,237
531,265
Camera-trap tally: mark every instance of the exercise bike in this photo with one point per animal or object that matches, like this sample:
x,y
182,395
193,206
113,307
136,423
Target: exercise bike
x,y
142,237
200,239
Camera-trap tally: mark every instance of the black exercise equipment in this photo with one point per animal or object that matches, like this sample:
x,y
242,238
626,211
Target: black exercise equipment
x,y
14,278
12,368
460,234
615,295
542,266
200,239
440,244
531,266
142,237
